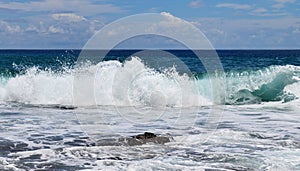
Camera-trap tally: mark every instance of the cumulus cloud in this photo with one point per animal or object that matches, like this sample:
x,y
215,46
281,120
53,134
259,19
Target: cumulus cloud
x,y
171,20
234,6
58,30
32,28
53,29
9,28
69,17
84,8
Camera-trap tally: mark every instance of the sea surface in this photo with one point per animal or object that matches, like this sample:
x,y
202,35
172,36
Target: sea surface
x,y
60,114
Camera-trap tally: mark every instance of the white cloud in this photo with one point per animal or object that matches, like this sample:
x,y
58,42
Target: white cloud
x,y
52,23
171,18
10,28
251,33
69,17
265,12
53,29
170,24
296,31
234,6
195,4
84,8
32,28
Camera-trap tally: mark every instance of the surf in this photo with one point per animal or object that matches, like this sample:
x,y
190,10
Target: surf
x,y
270,84
133,83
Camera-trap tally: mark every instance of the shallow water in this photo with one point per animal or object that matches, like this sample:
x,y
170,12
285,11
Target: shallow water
x,y
247,138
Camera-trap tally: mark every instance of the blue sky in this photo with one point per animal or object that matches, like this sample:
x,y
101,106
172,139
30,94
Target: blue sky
x,y
231,24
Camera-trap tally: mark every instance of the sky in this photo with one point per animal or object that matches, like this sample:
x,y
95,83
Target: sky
x,y
228,24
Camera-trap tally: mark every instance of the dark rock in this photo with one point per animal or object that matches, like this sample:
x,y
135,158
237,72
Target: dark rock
x,y
139,139
66,107
145,138
146,135
110,158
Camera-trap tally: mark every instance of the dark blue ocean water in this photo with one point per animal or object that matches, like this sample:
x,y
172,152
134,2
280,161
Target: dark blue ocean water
x,y
231,59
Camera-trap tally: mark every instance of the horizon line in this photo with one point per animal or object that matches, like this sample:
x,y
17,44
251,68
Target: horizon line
x,y
218,49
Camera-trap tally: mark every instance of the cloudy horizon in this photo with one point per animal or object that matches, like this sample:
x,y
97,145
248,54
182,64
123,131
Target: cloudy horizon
x,y
231,24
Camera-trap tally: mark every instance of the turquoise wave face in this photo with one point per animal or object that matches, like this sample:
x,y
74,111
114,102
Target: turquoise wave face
x,y
268,92
258,86
274,91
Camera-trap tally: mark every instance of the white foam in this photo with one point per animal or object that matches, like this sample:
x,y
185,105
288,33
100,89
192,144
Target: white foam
x,y
5,165
107,83
134,84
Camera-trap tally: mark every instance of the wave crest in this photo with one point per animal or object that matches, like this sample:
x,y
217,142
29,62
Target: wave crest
x,y
114,83
134,84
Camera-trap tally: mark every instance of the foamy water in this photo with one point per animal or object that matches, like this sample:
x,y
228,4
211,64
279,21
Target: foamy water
x,y
247,138
112,83
52,120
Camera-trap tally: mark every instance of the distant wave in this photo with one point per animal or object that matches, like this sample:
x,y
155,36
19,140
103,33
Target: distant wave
x,y
134,84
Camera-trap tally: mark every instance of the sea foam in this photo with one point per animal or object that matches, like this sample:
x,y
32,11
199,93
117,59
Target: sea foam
x,y
132,83
107,83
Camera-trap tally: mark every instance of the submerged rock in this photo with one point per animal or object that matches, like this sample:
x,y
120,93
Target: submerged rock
x,y
139,139
146,135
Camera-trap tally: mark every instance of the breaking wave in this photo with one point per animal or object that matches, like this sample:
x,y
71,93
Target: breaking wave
x,y
132,84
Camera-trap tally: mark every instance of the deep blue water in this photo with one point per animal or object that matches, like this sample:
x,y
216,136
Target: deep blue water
x,y
231,59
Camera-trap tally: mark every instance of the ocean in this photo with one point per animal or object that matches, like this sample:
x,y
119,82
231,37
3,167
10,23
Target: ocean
x,y
60,114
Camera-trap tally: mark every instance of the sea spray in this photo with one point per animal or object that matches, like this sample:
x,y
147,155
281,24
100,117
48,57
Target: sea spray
x,y
111,83
132,83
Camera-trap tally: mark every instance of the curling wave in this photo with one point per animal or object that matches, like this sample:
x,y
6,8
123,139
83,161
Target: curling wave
x,y
266,85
